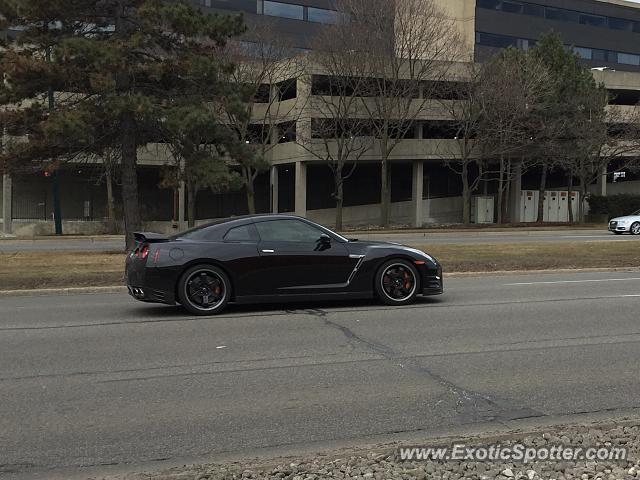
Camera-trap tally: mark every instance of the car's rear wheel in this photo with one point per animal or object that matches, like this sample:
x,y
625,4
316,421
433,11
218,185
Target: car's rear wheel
x,y
397,282
204,290
635,228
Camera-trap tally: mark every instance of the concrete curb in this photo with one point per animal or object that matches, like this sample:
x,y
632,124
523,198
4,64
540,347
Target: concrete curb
x,y
482,233
538,272
434,231
123,289
88,239
62,291
483,433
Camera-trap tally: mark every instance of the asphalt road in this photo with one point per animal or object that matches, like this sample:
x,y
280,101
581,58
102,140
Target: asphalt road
x,y
459,237
92,380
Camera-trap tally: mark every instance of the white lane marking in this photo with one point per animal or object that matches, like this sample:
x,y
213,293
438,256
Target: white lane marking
x,y
588,236
221,347
627,296
573,281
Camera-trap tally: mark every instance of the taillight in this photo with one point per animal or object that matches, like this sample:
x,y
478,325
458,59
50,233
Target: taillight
x,y
144,252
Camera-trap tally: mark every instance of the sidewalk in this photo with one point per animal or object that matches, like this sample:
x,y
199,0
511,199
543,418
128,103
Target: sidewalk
x,y
470,230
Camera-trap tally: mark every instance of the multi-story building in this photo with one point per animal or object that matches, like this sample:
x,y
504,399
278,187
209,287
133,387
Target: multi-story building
x,y
605,34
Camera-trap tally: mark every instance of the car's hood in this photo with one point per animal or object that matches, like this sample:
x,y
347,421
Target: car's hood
x,y
626,218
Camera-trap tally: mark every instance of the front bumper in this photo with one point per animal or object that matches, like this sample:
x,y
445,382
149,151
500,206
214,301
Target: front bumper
x,y
616,227
433,282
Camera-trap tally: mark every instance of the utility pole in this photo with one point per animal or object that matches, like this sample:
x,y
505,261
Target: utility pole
x,y
57,215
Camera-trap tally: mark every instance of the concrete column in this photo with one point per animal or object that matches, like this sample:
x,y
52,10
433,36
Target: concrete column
x,y
274,189
301,189
516,194
181,205
417,218
602,182
7,207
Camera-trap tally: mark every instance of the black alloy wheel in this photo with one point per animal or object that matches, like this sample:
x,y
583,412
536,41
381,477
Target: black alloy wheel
x,y
397,282
204,290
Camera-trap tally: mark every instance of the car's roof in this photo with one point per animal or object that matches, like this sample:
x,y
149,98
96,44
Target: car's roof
x,y
253,218
225,223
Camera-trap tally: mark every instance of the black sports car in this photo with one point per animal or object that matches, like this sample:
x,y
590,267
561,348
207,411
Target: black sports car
x,y
267,258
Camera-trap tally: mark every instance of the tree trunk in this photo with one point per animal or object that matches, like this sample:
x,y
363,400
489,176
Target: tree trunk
x,y
111,211
128,142
569,191
466,195
132,221
385,203
501,190
250,189
191,205
543,189
339,205
583,194
506,204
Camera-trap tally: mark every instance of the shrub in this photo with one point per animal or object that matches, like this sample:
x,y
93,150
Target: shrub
x,y
614,205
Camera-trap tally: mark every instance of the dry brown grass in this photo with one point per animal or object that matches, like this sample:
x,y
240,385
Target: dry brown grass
x,y
31,270
535,256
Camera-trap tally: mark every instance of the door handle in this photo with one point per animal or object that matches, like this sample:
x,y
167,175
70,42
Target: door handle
x,y
268,251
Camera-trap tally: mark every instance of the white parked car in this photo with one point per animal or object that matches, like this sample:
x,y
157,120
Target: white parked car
x,y
628,224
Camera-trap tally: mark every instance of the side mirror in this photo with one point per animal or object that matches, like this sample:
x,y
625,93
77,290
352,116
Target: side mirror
x,y
324,239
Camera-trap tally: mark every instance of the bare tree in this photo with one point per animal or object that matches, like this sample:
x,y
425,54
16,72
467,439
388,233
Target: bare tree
x,y
340,130
407,47
609,140
265,71
464,106
512,89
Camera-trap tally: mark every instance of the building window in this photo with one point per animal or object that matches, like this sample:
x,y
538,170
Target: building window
x,y
594,54
511,7
629,59
493,40
593,20
279,9
560,14
534,10
620,24
490,4
321,15
584,53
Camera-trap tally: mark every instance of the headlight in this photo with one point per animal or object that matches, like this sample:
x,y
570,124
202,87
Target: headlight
x,y
420,252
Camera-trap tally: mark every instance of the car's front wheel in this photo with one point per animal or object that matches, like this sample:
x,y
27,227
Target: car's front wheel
x,y
397,282
204,290
635,228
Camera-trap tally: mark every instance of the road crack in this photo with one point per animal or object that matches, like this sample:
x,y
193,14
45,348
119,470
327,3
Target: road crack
x,y
471,406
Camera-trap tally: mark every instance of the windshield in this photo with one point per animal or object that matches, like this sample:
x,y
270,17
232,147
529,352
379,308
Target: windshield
x,y
637,212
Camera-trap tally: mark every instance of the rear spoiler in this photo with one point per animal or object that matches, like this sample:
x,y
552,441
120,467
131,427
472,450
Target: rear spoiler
x,y
149,237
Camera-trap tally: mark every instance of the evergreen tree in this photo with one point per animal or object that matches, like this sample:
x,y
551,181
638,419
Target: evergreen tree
x,y
116,66
573,125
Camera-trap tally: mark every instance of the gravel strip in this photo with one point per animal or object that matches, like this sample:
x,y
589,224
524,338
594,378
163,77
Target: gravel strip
x,y
381,462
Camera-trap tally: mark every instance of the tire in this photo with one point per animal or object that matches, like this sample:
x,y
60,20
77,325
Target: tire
x,y
388,284
635,228
204,290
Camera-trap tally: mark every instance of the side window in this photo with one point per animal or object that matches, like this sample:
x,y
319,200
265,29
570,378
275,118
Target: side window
x,y
239,234
287,231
